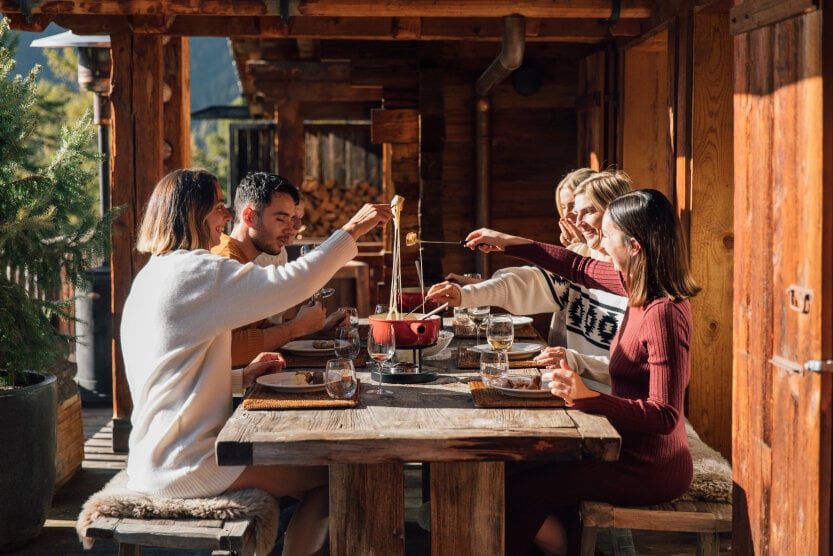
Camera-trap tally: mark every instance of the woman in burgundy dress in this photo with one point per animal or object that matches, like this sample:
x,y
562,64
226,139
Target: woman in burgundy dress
x,y
649,371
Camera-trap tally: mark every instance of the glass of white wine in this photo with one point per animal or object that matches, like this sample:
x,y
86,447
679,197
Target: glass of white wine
x,y
478,316
381,345
500,332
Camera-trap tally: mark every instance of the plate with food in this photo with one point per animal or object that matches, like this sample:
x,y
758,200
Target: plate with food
x,y
293,381
309,347
520,386
521,321
520,350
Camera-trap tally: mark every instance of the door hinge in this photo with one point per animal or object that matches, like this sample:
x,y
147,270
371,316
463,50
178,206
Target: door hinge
x,y
819,366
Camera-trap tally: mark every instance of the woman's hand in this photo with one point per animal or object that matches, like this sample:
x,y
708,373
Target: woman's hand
x,y
490,240
551,356
445,292
565,383
367,218
569,232
265,362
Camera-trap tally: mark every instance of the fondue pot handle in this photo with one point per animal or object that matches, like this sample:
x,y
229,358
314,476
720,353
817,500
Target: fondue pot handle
x,y
418,328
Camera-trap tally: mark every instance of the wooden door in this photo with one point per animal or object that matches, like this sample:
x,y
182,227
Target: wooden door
x,y
783,114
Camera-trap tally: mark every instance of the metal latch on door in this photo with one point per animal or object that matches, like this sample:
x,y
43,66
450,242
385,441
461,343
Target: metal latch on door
x,y
819,366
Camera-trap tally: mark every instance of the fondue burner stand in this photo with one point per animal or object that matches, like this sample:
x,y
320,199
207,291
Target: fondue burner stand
x,y
404,372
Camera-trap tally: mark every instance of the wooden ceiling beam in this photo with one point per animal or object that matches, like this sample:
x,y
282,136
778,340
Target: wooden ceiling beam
x,y
373,28
316,91
298,70
594,9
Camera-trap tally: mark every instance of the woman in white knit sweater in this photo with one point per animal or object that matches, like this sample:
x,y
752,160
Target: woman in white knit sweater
x,y
176,341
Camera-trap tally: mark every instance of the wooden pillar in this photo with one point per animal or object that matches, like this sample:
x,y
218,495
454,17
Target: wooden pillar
x,y
711,233
177,104
290,155
136,100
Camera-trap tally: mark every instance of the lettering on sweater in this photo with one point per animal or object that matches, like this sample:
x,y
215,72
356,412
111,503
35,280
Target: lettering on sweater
x,y
590,313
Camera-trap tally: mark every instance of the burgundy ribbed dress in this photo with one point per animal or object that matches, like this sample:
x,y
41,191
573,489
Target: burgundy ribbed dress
x,y
649,372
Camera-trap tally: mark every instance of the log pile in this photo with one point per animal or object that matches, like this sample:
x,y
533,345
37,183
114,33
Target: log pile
x,y
329,205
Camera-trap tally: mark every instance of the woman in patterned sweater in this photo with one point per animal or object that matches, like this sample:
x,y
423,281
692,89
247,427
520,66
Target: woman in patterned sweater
x,y
649,372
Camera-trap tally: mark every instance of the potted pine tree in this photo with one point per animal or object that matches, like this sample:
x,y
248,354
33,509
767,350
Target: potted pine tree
x,y
50,235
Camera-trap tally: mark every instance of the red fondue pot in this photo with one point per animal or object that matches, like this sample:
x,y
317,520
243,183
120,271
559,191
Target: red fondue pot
x,y
408,333
411,298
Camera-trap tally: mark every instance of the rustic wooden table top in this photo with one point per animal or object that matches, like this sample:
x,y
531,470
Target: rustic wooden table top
x,y
433,422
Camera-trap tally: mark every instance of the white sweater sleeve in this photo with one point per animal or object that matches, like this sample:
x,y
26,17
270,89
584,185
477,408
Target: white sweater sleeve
x,y
523,290
592,366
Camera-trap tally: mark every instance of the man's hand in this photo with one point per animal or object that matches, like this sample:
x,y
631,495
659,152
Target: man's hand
x,y
445,292
265,362
367,218
309,319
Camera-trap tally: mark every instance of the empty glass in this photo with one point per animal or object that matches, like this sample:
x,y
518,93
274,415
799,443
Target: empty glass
x,y
381,309
493,365
347,343
340,379
500,332
381,345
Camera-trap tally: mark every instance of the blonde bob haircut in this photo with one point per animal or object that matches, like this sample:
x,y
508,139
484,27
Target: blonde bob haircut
x,y
175,214
570,182
601,188
660,268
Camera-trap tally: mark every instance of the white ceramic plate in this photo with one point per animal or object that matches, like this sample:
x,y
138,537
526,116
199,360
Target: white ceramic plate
x,y
282,382
520,321
520,350
523,393
305,347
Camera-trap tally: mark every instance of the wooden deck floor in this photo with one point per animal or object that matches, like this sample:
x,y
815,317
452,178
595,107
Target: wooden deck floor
x,y
100,464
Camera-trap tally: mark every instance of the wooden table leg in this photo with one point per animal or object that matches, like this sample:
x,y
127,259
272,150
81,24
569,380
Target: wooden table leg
x,y
467,508
367,509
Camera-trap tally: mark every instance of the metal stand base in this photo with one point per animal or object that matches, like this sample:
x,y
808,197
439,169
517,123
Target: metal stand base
x,y
412,377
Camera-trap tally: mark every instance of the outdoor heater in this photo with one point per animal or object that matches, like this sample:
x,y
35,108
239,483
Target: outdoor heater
x,y
94,327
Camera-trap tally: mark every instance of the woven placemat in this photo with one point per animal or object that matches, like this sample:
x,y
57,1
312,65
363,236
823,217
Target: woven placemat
x,y
527,331
470,359
489,397
261,398
294,361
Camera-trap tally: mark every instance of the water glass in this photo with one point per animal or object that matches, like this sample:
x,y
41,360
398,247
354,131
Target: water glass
x,y
347,343
340,379
353,315
500,332
493,365
381,309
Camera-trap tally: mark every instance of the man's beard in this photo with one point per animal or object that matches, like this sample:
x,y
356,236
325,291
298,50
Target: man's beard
x,y
266,247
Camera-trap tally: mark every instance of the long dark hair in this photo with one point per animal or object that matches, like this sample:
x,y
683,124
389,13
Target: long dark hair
x,y
661,268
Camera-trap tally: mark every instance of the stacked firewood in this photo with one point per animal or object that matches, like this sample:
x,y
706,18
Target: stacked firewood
x,y
329,205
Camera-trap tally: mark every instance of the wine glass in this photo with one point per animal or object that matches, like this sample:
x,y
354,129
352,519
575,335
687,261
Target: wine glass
x,y
347,343
381,345
493,365
340,379
478,316
500,332
353,315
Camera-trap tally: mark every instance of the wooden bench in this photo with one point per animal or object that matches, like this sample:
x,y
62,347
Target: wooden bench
x,y
234,536
706,519
705,509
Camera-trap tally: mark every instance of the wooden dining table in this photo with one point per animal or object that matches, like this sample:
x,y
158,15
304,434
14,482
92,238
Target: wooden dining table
x,y
367,446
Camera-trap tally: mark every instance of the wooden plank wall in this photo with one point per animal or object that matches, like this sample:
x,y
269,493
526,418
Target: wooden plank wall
x,y
782,415
644,117
533,145
711,238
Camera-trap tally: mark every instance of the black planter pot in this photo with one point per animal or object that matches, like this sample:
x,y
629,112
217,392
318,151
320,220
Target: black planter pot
x,y
28,436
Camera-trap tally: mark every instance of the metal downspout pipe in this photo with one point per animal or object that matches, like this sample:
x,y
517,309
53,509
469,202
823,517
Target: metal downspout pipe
x,y
510,58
